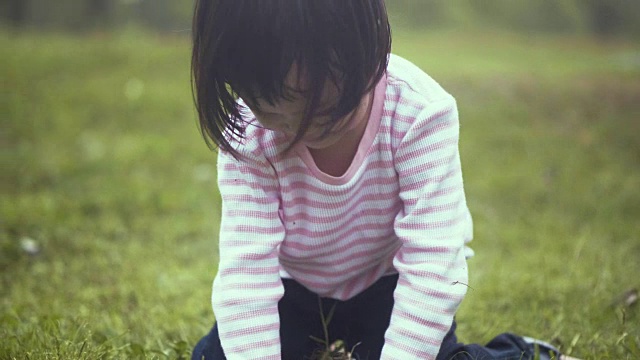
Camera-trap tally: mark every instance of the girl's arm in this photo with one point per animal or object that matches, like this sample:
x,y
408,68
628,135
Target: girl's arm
x,y
248,287
432,227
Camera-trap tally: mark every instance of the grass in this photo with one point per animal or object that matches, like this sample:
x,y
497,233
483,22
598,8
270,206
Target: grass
x,y
109,206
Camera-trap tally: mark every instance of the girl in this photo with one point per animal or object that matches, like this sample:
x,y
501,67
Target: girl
x,y
341,187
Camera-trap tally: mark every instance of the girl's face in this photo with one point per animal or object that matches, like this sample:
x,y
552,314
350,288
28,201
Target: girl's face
x,y
285,116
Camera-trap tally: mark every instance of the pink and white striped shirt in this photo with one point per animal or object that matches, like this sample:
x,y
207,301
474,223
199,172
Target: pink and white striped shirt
x,y
399,208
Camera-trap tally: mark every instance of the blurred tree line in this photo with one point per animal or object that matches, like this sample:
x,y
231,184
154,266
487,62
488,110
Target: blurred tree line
x,y
599,17
91,15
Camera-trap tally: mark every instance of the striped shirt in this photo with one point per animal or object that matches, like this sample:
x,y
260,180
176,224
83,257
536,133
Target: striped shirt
x,y
399,208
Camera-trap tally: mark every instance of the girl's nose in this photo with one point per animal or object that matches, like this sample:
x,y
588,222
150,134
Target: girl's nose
x,y
286,128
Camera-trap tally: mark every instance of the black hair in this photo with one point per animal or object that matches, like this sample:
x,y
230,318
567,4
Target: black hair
x,y
248,47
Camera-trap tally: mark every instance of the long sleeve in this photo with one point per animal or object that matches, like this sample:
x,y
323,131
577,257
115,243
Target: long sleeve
x,y
432,227
247,287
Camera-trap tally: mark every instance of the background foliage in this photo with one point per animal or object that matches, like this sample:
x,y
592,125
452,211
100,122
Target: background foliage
x,y
599,17
109,209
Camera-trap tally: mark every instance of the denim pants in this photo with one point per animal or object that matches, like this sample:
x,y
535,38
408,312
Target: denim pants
x,y
361,320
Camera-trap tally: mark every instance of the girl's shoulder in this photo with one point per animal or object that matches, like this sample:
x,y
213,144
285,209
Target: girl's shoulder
x,y
414,102
413,82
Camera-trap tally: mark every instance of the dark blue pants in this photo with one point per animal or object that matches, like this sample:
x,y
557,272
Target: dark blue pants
x,y
361,320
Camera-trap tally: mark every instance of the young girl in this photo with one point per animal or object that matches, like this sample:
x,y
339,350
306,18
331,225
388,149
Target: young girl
x,y
342,193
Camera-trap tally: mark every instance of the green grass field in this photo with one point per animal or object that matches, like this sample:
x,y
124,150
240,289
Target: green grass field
x,y
109,205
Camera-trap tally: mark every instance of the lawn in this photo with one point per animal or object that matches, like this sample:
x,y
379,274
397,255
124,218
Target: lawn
x,y
109,209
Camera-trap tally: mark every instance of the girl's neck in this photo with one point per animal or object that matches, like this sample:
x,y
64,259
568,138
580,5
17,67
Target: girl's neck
x,y
336,159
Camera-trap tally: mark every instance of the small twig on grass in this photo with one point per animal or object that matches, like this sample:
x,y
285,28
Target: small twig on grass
x,y
626,299
460,282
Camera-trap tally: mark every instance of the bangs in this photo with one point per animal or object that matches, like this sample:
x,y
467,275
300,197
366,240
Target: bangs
x,y
272,38
248,48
